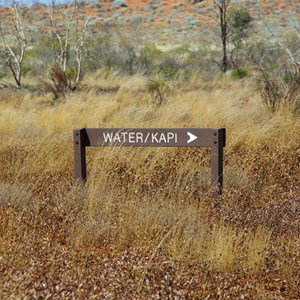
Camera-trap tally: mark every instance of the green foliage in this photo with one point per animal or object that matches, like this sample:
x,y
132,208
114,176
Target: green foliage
x,y
32,53
148,57
26,69
3,73
290,76
168,72
157,89
239,28
40,56
152,52
169,67
181,50
239,73
239,21
71,73
101,52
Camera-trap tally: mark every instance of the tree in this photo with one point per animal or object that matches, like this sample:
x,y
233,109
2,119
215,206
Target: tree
x,y
14,42
68,34
221,8
230,24
239,23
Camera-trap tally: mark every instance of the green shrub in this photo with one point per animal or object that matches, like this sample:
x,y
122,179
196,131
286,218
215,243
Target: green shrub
x,y
158,91
71,73
148,58
291,76
26,69
169,67
239,73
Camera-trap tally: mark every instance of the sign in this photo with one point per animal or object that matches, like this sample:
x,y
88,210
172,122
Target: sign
x,y
151,137
148,137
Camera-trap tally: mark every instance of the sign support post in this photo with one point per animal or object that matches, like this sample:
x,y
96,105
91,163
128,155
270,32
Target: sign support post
x,y
80,140
218,142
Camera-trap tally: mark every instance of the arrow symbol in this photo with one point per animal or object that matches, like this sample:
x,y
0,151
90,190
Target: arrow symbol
x,y
192,137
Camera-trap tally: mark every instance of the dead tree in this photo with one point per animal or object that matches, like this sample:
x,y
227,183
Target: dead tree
x,y
14,43
70,31
80,38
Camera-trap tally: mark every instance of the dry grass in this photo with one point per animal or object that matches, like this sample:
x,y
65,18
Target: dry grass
x,y
145,225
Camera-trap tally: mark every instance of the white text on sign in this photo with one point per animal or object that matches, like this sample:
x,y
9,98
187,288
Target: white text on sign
x,y
139,137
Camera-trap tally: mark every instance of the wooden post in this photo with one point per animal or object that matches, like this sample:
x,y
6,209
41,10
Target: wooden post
x,y
80,142
218,142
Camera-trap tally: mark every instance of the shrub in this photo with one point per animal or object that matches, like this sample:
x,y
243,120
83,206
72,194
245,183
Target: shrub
x,y
129,58
118,3
158,91
239,22
101,53
169,72
61,84
137,19
169,67
239,73
148,58
26,69
290,76
239,28
277,90
71,73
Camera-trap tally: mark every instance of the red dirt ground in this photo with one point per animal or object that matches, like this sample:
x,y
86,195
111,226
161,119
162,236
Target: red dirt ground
x,y
170,11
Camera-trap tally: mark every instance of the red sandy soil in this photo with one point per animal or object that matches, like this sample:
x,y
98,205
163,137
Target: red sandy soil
x,y
137,7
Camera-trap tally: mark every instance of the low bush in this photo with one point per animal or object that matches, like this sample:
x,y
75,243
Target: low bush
x,y
61,82
169,67
279,90
118,3
158,91
239,73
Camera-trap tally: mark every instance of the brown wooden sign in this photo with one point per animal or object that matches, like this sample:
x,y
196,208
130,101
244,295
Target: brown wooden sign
x,y
152,137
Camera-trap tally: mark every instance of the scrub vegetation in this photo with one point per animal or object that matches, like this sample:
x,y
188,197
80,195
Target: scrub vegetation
x,y
146,224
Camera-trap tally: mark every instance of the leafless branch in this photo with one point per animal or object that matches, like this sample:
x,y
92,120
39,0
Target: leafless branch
x,y
69,30
14,55
79,43
282,44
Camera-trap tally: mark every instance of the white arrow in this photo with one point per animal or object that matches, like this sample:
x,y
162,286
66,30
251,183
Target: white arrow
x,y
192,137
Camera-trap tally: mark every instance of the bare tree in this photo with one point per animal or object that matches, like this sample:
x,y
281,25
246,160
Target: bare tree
x,y
80,38
14,43
60,30
293,55
70,31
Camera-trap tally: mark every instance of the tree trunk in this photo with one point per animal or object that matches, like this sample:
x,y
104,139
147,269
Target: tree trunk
x,y
223,24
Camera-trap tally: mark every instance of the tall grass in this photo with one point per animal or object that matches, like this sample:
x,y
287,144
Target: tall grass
x,y
155,200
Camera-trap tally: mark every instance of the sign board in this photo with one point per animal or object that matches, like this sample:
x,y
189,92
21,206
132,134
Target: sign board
x,y
151,137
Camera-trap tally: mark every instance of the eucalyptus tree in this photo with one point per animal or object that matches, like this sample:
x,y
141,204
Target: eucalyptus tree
x,y
13,41
68,30
228,25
